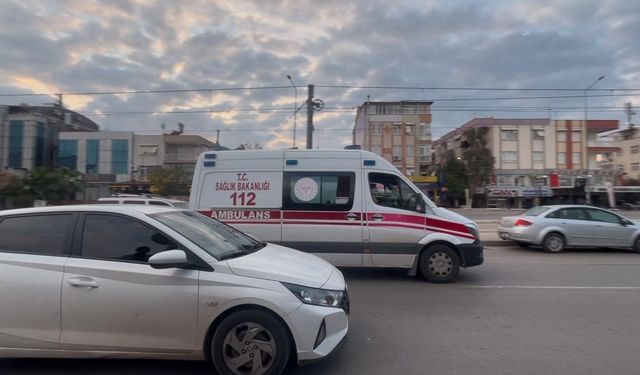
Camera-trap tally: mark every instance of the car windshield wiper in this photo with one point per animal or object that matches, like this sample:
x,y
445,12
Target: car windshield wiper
x,y
234,254
255,247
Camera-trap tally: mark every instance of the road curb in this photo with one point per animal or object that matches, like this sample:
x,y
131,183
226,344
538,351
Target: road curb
x,y
498,243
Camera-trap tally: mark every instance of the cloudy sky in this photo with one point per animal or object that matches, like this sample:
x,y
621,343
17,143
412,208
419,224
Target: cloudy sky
x,y
240,53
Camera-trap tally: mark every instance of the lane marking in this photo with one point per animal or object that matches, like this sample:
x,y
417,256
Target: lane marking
x,y
553,287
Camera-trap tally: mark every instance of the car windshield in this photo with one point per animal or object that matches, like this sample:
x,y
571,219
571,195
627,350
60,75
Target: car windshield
x,y
214,237
535,211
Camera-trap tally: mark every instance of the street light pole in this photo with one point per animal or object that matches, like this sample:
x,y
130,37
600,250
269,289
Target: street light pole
x,y
586,149
295,108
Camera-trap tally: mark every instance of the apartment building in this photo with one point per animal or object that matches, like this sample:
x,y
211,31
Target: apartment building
x,y
537,159
398,131
29,134
126,156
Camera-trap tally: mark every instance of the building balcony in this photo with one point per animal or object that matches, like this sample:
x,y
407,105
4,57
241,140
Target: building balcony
x,y
181,158
602,147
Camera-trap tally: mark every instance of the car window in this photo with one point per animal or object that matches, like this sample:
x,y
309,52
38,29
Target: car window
x,y
391,191
318,191
107,202
535,211
604,216
38,234
569,214
118,238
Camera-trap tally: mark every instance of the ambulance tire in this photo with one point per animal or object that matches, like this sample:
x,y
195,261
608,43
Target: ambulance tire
x,y
439,264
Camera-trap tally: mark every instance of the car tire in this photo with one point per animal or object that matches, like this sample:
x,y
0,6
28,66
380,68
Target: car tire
x,y
439,264
553,243
523,244
268,347
636,245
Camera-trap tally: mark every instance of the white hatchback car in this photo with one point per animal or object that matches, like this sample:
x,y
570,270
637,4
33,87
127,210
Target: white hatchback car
x,y
158,282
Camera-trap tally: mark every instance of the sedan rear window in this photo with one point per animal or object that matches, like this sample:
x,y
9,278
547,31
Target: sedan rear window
x,y
535,211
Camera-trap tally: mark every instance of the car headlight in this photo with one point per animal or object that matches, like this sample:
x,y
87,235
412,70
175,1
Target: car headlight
x,y
319,297
473,230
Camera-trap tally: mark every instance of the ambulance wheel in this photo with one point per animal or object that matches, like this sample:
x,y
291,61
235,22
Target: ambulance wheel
x,y
439,264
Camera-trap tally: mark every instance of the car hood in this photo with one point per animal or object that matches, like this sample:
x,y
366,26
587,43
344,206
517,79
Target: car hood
x,y
450,215
279,263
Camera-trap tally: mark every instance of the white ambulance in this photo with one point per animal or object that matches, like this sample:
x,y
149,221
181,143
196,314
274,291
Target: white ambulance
x,y
350,207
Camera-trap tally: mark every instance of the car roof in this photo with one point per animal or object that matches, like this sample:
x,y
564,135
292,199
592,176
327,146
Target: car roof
x,y
138,198
571,206
124,209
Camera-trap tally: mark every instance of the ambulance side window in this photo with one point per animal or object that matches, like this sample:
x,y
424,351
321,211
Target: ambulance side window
x,y
318,191
388,190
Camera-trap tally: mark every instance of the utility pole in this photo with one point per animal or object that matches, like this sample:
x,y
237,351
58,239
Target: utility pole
x,y
630,112
218,137
310,117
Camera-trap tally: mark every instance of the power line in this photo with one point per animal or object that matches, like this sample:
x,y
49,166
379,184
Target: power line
x,y
363,87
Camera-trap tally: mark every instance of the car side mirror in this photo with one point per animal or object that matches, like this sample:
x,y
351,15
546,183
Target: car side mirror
x,y
169,259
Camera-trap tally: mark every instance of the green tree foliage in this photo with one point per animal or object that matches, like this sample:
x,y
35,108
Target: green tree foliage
x,y
454,176
170,181
41,184
478,158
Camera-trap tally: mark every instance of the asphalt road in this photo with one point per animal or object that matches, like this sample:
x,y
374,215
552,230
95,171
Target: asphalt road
x,y
522,312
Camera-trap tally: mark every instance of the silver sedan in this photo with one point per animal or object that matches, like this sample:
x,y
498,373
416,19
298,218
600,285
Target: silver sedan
x,y
557,227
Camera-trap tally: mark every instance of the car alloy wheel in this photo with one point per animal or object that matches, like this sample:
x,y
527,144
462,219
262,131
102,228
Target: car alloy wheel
x,y
553,243
250,342
249,348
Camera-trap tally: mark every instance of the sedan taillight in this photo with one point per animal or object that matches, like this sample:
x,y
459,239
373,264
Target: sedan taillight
x,y
522,223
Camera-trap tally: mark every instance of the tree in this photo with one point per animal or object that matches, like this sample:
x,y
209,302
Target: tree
x,y
478,158
169,181
453,175
41,184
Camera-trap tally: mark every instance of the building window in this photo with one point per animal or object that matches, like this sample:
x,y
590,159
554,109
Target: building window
x,y
376,150
119,156
562,157
538,156
381,109
397,150
576,136
408,129
16,129
148,149
425,153
409,151
376,129
509,135
562,136
40,142
635,167
68,153
577,158
635,149
93,156
509,156
537,134
397,129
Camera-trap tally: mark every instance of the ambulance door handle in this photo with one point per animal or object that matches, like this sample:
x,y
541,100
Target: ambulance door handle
x,y
377,217
352,216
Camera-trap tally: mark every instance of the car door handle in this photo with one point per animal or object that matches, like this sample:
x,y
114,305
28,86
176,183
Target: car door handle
x,y
352,216
377,217
83,282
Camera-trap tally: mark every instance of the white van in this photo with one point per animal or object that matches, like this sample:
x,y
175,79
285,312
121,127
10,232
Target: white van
x,y
350,207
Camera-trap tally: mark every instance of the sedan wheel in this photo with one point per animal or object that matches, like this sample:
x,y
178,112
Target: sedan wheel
x,y
553,243
636,245
250,343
